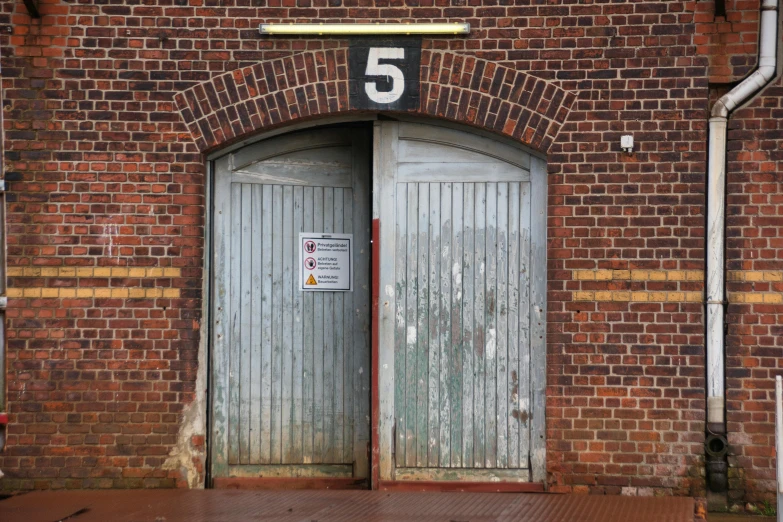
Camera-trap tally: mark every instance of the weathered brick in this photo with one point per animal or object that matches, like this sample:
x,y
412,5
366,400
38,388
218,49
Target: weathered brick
x,y
106,232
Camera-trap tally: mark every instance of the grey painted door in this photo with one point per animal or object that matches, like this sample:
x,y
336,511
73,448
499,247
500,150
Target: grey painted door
x,y
459,212
290,374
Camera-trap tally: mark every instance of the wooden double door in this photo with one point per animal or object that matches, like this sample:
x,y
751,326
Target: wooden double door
x,y
458,366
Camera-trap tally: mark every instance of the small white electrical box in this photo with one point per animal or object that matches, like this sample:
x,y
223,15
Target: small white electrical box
x,y
626,143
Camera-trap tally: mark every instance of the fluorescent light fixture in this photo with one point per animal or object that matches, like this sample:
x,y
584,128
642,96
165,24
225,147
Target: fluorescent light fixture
x,y
356,29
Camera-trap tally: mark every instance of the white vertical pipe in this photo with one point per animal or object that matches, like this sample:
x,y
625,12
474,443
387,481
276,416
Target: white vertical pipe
x,y
716,203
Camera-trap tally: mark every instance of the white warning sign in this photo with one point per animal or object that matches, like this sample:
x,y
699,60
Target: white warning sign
x,y
325,262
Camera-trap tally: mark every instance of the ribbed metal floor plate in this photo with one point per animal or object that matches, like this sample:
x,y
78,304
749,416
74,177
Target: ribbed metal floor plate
x,y
333,506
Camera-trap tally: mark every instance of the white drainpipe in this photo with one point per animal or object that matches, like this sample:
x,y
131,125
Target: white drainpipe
x,y
716,204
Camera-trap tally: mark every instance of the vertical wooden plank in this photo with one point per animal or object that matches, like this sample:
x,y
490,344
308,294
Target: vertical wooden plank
x,y
221,313
308,333
337,362
328,356
514,420
456,393
297,370
350,347
287,326
490,337
400,337
525,312
266,324
479,328
538,317
385,145
257,312
501,325
422,344
411,326
234,345
278,333
524,281
318,341
445,372
246,314
433,326
468,342
255,325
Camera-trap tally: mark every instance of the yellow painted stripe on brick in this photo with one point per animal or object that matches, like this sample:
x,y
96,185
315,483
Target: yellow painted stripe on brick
x,y
638,275
93,292
756,297
770,276
639,297
90,293
90,271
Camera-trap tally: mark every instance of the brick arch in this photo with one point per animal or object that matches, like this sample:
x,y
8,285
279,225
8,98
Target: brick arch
x,y
457,87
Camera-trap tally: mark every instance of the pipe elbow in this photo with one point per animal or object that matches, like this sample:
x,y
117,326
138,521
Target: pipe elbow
x,y
744,91
767,64
719,110
767,69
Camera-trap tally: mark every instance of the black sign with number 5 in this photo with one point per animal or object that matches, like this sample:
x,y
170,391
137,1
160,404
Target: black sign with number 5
x,y
384,73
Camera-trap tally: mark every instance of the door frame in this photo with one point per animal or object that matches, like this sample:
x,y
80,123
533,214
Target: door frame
x,y
380,476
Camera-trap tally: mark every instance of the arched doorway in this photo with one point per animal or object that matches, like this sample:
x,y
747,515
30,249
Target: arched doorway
x,y
456,365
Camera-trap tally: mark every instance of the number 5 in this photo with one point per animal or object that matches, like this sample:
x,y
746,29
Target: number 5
x,y
384,69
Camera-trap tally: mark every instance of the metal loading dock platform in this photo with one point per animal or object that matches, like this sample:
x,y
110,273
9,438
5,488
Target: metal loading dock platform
x,y
328,506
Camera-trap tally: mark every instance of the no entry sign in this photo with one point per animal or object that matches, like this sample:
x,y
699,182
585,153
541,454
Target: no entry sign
x,y
325,262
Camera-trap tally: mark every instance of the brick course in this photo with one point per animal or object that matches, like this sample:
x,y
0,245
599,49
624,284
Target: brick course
x,y
109,107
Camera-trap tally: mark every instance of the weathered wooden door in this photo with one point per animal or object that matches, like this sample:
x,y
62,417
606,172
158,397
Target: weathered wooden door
x,y
462,224
290,368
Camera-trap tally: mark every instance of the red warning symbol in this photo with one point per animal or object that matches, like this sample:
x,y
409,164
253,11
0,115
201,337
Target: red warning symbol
x,y
309,247
311,281
310,263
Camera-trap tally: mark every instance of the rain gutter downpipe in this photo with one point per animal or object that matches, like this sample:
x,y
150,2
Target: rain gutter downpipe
x,y
716,444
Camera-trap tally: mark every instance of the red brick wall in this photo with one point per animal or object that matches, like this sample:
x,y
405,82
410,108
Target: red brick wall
x,y
730,40
625,354
106,229
105,238
755,288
